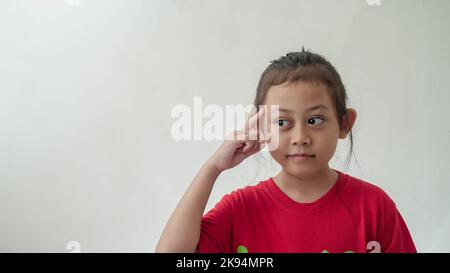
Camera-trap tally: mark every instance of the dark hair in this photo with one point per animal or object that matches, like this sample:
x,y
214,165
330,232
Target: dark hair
x,y
309,67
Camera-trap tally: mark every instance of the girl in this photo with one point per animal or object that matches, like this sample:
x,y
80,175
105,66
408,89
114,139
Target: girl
x,y
307,206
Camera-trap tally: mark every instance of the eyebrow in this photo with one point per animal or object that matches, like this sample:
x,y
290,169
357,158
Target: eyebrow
x,y
320,106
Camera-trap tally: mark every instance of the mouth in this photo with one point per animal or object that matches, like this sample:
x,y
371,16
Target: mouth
x,y
300,157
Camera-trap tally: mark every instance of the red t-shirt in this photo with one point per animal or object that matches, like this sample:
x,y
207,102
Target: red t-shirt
x,y
353,216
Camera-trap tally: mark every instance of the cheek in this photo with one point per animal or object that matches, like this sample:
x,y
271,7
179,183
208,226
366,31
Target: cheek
x,y
278,156
279,142
276,138
278,147
326,144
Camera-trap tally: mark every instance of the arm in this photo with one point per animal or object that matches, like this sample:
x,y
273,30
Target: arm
x,y
182,231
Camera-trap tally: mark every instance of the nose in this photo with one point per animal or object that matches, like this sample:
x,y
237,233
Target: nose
x,y
300,136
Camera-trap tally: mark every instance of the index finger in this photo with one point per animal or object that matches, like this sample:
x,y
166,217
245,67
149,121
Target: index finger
x,y
253,120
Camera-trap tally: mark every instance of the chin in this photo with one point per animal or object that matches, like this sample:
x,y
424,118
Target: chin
x,y
300,170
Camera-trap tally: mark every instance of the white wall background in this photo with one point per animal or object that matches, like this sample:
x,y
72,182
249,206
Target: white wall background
x,y
87,87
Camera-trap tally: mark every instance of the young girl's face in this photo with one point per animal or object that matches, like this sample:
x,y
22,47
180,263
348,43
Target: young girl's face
x,y
307,124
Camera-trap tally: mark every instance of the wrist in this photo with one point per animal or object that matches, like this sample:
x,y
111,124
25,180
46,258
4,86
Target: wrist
x,y
211,167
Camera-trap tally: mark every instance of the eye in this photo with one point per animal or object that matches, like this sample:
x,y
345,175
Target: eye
x,y
315,120
282,121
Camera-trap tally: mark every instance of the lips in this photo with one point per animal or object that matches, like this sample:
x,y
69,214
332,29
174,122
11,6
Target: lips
x,y
300,155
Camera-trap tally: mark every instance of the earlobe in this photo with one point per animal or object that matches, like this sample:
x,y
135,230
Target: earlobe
x,y
347,124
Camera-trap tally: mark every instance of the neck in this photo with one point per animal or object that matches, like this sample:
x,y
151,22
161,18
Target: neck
x,y
306,189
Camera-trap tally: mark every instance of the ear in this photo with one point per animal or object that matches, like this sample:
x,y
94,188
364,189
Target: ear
x,y
347,125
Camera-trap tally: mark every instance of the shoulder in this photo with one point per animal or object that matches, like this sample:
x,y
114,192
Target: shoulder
x,y
357,191
247,193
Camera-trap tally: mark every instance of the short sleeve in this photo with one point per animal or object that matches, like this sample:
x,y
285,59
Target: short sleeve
x,y
395,237
216,228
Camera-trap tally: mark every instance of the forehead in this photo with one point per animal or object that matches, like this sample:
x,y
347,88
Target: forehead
x,y
298,96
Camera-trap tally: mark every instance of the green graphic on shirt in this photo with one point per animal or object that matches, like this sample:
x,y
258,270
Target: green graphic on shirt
x,y
242,249
348,251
